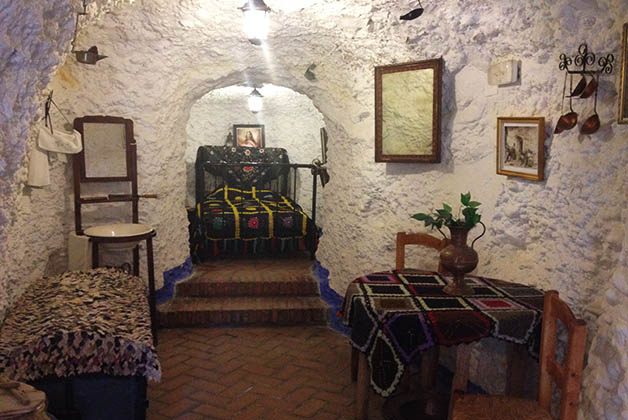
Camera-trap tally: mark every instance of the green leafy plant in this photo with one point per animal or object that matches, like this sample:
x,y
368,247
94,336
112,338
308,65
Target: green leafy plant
x,y
467,215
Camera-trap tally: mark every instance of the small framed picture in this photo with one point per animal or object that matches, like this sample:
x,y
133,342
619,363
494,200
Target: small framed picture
x,y
520,150
248,135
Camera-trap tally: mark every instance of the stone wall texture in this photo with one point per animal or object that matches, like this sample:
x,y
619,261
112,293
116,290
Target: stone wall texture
x,y
566,233
33,40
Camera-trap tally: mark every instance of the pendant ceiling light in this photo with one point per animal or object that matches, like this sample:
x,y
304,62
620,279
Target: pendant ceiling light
x,y
256,101
255,21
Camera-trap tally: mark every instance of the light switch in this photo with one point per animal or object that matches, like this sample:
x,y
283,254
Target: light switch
x,y
503,73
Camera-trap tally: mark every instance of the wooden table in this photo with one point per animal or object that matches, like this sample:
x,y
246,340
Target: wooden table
x,y
148,237
397,316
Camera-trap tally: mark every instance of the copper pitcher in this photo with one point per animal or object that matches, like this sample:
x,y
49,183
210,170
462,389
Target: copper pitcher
x,y
459,259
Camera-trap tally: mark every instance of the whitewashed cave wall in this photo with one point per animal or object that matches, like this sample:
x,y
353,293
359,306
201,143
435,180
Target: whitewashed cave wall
x,y
565,233
606,385
290,121
32,42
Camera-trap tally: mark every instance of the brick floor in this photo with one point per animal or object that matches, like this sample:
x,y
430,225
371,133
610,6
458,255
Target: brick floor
x,y
255,373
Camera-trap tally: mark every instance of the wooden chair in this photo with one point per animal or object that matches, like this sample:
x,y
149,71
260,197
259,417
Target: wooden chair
x,y
567,376
404,239
422,239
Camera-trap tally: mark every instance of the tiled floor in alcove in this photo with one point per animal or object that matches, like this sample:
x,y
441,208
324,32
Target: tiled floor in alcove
x,y
255,373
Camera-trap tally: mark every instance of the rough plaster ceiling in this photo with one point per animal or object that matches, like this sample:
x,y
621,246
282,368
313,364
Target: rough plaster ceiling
x,y
566,233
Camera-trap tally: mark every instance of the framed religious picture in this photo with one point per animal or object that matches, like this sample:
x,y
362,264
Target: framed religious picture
x,y
248,135
407,112
622,118
520,150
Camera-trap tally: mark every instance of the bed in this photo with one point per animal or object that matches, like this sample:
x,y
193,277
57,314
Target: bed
x,y
84,338
245,204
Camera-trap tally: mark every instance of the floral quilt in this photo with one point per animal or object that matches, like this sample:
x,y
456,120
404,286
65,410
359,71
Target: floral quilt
x,y
234,213
254,219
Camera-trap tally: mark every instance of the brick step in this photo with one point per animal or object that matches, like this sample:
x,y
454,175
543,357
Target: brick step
x,y
252,277
213,285
241,311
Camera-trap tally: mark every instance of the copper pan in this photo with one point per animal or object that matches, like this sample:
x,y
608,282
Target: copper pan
x,y
590,89
568,120
591,124
579,87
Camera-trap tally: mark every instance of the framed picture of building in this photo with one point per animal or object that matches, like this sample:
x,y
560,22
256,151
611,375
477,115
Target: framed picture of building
x,y
520,150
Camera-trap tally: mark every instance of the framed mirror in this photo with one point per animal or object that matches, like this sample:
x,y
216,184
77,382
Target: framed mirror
x,y
107,153
407,112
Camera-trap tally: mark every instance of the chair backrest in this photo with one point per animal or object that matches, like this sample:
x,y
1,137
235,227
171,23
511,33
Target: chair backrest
x,y
568,375
422,239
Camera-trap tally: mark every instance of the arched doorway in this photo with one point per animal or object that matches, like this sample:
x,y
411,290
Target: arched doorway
x,y
290,120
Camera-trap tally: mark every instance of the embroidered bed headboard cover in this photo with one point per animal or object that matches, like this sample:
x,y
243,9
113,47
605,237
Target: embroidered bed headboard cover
x,y
244,176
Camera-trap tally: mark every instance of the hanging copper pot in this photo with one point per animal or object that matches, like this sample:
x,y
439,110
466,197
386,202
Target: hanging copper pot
x,y
579,87
591,124
590,89
568,120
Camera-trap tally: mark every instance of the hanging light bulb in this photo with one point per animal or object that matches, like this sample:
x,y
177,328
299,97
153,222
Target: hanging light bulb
x,y
256,101
255,22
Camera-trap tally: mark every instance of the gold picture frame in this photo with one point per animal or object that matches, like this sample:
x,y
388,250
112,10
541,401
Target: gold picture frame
x,y
407,112
249,135
520,147
622,117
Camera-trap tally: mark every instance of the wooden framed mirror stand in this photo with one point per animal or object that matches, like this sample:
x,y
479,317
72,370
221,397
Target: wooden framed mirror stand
x,y
82,172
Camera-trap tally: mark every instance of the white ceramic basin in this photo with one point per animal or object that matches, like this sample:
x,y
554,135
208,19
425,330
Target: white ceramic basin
x,y
118,230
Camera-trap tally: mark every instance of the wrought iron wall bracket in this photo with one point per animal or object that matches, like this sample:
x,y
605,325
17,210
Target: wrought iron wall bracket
x,y
583,59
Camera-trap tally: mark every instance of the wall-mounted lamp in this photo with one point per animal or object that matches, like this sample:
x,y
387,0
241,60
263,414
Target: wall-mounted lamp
x,y
309,73
90,56
256,101
255,22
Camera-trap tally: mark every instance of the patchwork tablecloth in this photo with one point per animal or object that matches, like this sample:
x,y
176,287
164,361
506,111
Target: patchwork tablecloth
x,y
80,322
396,315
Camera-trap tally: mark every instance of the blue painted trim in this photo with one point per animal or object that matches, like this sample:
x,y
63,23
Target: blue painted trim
x,y
172,276
333,299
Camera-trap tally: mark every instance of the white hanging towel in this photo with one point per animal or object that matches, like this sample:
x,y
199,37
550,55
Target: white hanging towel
x,y
79,252
58,141
38,171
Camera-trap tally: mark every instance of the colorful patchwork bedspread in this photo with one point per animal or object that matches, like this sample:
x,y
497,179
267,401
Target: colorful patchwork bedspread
x,y
396,315
94,321
249,215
